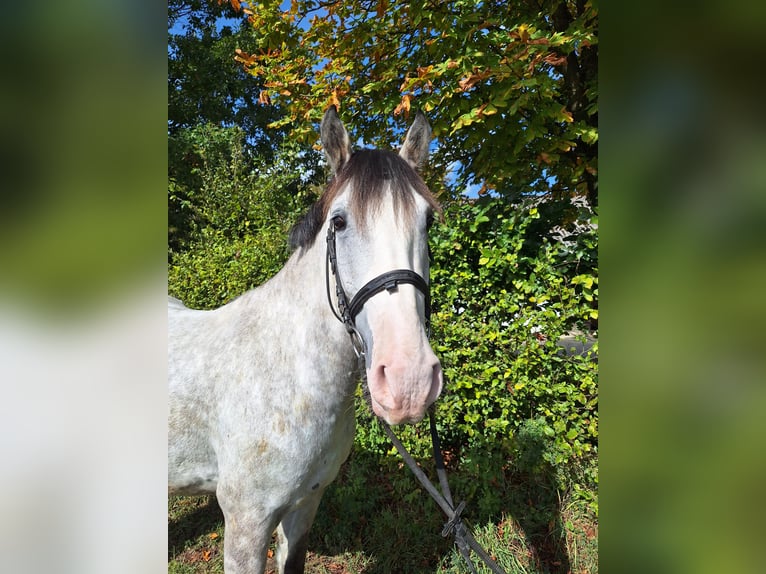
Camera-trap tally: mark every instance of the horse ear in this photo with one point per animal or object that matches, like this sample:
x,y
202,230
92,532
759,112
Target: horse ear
x,y
415,147
335,140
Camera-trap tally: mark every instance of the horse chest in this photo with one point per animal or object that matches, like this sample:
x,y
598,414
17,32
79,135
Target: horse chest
x,y
322,462
295,439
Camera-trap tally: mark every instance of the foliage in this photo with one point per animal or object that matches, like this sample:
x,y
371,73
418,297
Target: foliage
x,y
501,310
510,88
236,215
510,91
205,84
208,95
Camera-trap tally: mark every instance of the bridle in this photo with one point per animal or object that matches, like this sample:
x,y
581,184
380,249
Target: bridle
x,y
346,313
388,281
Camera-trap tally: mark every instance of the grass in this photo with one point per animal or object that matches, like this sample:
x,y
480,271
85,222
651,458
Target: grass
x,y
375,519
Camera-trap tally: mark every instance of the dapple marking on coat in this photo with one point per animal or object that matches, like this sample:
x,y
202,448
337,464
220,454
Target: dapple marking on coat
x,y
262,389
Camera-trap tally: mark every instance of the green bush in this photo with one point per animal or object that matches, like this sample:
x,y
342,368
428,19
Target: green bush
x,y
230,213
500,309
218,268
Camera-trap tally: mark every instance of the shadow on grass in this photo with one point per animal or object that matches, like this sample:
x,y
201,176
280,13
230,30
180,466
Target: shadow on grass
x,y
380,509
383,513
534,504
525,488
191,518
376,519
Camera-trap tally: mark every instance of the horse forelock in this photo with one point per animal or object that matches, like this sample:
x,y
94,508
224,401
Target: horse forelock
x,y
368,175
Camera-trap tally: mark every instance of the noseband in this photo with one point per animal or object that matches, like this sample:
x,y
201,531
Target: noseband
x,y
388,281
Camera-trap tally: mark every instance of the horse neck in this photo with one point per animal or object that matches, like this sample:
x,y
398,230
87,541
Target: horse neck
x,y
296,300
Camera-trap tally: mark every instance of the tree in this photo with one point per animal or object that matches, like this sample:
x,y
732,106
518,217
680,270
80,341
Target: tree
x,y
215,127
239,215
234,186
510,87
205,84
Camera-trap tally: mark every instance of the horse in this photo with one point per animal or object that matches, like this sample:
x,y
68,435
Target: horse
x,y
261,390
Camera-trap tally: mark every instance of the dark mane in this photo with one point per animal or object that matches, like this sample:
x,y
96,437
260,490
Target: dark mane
x,y
370,172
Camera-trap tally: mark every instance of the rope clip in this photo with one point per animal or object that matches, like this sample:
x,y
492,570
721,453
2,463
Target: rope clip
x,y
453,522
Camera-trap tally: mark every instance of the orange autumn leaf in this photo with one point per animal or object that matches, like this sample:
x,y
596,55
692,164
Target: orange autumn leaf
x,y
245,58
470,81
555,59
424,70
404,105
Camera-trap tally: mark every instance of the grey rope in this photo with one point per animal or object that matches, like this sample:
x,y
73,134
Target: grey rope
x,y
463,537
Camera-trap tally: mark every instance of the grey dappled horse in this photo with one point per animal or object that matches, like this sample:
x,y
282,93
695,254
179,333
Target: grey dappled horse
x,y
262,389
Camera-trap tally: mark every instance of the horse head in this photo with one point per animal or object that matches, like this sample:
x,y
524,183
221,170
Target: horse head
x,y
377,211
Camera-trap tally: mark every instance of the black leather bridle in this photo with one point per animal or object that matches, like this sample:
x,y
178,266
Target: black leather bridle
x,y
389,281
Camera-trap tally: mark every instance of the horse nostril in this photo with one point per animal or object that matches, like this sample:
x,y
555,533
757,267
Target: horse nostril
x,y
437,382
381,386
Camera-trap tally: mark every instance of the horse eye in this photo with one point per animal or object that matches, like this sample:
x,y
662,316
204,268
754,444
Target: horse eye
x,y
339,222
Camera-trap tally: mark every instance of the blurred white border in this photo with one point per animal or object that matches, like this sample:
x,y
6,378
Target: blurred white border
x,y
83,439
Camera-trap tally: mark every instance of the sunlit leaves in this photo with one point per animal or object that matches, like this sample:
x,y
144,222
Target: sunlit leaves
x,y
501,301
505,77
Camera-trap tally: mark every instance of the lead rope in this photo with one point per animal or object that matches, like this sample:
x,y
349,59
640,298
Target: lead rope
x,y
454,525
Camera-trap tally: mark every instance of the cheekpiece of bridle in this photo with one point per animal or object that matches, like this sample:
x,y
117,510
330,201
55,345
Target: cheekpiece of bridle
x,y
388,281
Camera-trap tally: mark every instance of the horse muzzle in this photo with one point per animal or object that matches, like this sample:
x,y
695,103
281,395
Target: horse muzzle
x,y
402,389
